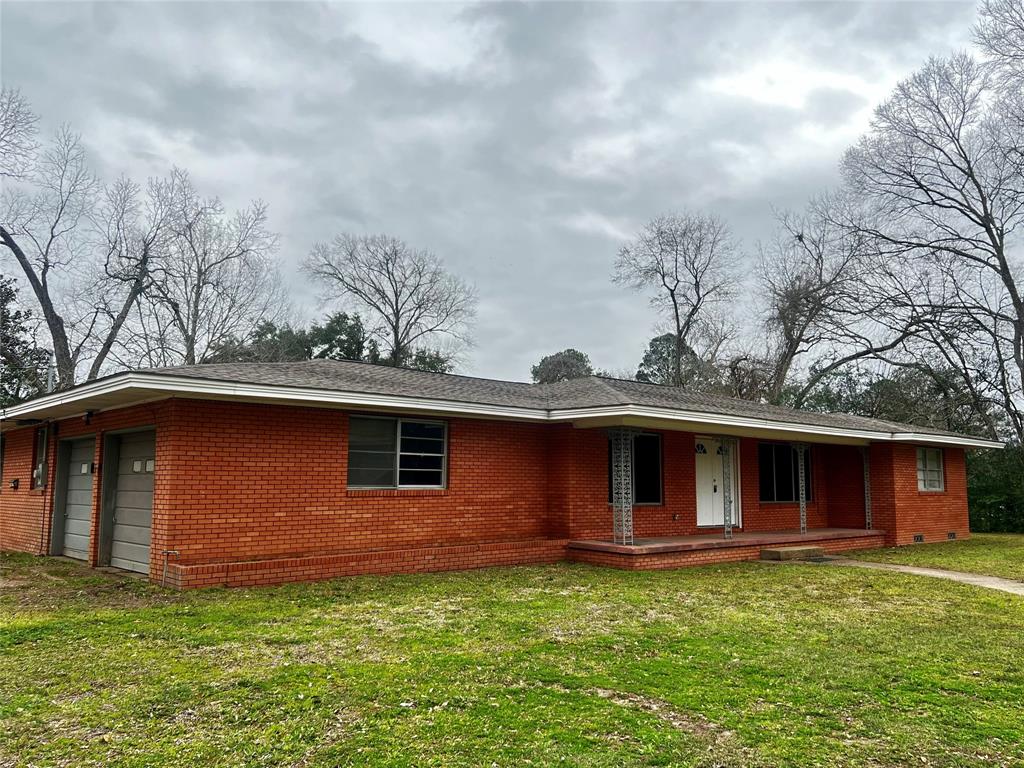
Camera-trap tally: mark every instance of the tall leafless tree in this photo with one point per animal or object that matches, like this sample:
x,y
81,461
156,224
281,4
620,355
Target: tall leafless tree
x,y
18,126
941,170
688,265
49,224
215,281
410,299
1000,34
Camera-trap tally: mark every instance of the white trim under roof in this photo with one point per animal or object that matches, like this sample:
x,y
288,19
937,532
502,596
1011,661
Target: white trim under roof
x,y
131,388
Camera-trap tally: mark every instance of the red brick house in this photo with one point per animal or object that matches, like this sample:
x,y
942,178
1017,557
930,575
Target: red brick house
x,y
265,473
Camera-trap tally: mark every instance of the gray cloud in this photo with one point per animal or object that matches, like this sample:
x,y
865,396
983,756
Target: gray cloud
x,y
521,142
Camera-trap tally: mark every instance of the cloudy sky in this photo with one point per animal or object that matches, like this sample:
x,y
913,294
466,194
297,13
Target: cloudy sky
x,y
521,143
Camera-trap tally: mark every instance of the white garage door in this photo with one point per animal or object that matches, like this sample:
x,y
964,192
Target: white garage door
x,y
133,504
78,500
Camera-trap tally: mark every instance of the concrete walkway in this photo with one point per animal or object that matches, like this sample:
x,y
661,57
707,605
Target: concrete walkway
x,y
989,582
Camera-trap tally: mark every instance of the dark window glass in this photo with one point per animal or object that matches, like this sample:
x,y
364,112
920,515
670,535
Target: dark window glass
x,y
785,484
766,470
390,453
646,470
779,472
432,430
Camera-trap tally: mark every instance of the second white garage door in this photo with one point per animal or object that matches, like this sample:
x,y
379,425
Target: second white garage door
x,y
133,504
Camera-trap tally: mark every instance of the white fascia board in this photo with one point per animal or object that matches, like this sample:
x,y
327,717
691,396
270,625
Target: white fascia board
x,y
924,437
581,414
187,386
212,388
104,387
718,419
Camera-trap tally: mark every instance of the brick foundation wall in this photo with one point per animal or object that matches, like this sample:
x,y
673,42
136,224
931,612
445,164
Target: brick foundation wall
x,y
422,560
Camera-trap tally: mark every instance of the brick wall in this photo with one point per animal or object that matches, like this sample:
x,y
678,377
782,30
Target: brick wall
x,y
24,524
270,482
26,514
241,482
902,510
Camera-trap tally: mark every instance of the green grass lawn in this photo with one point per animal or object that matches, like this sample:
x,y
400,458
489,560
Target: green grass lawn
x,y
992,554
739,665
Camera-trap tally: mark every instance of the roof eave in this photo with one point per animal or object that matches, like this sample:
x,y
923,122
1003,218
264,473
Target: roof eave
x,y
129,388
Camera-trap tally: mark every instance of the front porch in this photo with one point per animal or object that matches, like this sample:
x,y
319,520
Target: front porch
x,y
674,551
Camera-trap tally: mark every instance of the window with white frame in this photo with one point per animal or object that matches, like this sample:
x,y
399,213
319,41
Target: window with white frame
x,y
929,470
388,452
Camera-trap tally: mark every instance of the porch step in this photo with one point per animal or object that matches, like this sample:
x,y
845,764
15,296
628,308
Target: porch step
x,y
792,553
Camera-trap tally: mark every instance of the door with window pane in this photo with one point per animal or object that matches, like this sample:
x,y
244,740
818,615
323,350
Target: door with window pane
x,y
710,492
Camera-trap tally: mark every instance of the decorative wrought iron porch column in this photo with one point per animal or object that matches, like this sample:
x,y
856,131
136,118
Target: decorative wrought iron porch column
x,y
621,447
801,471
865,454
726,449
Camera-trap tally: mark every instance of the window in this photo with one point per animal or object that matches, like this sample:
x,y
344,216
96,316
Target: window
x,y
929,470
779,470
39,464
646,469
396,453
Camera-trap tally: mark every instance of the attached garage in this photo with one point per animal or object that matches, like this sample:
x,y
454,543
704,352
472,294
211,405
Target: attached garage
x,y
130,499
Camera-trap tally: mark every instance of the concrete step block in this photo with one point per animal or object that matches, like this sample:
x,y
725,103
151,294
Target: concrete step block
x,y
792,553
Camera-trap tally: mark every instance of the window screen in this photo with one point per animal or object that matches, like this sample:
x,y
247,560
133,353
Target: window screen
x,y
779,470
395,453
929,469
646,470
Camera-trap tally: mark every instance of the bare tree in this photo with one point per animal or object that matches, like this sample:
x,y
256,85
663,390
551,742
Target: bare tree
x,y
688,265
1000,34
941,169
411,300
17,134
85,252
215,281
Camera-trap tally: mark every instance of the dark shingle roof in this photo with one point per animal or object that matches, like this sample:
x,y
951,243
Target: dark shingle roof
x,y
589,392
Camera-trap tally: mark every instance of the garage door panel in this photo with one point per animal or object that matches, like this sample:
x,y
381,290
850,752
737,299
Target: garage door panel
x,y
76,527
133,534
133,502
78,500
131,557
135,464
133,516
76,543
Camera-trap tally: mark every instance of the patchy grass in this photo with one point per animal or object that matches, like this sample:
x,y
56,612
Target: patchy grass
x,y
990,554
740,665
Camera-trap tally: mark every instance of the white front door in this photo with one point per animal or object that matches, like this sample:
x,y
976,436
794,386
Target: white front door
x,y
710,498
